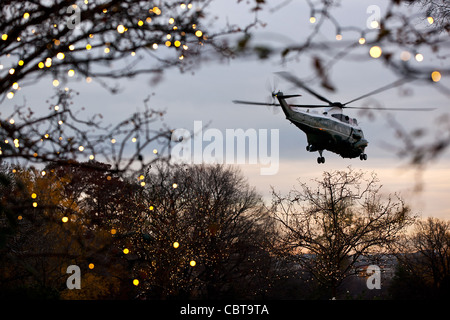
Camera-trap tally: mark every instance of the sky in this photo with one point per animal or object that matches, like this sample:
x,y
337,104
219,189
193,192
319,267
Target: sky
x,y
206,95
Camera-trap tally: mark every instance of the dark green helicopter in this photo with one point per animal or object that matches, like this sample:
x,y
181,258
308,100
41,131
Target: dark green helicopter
x,y
329,129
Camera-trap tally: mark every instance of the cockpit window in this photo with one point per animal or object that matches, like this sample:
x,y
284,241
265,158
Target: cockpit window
x,y
346,119
341,117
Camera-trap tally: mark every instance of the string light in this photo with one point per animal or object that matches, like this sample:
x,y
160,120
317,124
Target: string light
x,y
375,52
48,62
436,76
430,20
65,219
121,28
374,24
156,11
405,56
419,57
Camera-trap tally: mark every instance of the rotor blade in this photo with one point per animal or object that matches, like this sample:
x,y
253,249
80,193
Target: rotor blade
x,y
298,83
256,103
308,106
389,86
394,109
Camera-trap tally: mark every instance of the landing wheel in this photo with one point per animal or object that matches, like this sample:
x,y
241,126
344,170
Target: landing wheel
x,y
320,160
363,156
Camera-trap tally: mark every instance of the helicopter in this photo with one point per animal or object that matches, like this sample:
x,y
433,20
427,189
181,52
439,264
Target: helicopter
x,y
329,129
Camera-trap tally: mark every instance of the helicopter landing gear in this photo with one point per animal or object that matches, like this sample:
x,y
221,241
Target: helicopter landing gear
x,y
320,159
363,156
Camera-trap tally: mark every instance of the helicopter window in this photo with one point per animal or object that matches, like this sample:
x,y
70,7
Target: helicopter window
x,y
341,117
355,121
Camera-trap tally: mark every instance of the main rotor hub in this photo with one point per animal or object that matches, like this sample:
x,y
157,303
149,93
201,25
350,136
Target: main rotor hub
x,y
337,104
279,93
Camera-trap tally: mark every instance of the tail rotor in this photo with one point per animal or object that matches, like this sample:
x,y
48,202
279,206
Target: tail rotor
x,y
271,86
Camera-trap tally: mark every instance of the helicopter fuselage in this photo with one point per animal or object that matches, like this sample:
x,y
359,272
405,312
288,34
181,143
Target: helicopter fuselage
x,y
329,130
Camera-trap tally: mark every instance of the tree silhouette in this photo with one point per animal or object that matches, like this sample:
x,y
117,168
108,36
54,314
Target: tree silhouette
x,y
327,228
424,258
201,234
169,232
99,41
47,230
93,38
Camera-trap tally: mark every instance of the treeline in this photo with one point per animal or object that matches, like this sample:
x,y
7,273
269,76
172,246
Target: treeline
x,y
201,232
